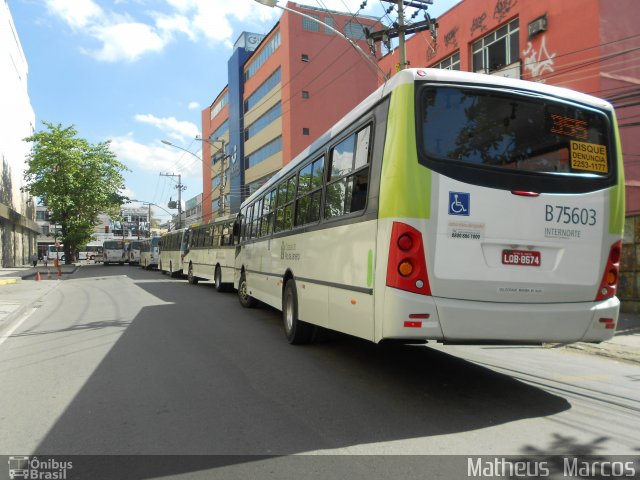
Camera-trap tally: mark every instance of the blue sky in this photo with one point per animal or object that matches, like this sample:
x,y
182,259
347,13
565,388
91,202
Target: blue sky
x,y
137,72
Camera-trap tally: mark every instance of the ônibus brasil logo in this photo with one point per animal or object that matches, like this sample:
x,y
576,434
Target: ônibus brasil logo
x,y
38,469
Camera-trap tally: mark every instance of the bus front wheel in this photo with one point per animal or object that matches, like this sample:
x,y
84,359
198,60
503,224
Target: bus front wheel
x,y
246,300
296,331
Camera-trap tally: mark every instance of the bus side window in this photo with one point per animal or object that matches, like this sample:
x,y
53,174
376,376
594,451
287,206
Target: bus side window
x,y
348,175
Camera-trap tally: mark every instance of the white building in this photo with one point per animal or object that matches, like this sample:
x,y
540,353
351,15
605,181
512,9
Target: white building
x,y
18,230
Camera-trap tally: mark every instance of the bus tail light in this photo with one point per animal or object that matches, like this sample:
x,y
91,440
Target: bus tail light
x,y
407,267
609,283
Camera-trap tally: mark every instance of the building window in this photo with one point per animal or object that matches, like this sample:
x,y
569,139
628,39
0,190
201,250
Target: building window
x,y
262,90
220,105
310,25
263,153
264,121
498,49
304,57
329,21
218,132
305,131
450,63
263,56
354,31
305,94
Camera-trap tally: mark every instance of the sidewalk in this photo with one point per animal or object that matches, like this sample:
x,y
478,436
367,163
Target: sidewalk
x,y
19,291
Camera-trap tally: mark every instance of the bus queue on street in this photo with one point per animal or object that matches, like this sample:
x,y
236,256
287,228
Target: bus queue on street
x,y
448,206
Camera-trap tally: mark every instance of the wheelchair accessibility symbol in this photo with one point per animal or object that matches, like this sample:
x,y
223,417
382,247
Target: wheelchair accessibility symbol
x,y
459,203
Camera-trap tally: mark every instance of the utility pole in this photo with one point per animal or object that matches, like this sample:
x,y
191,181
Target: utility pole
x,y
400,30
223,177
180,188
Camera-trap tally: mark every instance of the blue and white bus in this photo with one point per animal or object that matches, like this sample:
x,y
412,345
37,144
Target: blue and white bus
x,y
451,206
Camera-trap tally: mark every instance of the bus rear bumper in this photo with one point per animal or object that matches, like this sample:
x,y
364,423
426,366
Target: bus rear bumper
x,y
468,321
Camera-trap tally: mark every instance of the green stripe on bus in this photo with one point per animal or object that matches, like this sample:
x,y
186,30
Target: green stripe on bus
x,y
370,269
617,193
405,185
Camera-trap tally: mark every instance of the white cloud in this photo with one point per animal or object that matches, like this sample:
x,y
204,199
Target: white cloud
x,y
125,41
126,31
76,13
194,105
177,129
154,158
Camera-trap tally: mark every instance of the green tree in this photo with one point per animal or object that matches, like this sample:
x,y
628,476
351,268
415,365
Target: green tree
x,y
75,180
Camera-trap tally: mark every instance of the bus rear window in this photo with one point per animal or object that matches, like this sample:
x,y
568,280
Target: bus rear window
x,y
502,130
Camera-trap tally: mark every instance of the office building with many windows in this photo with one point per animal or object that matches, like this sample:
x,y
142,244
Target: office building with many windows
x,y
285,89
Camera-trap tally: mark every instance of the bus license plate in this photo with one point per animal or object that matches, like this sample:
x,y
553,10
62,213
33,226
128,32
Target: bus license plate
x,y
528,258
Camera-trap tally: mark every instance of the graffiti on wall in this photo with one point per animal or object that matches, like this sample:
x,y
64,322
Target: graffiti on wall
x,y
503,7
451,38
538,62
478,23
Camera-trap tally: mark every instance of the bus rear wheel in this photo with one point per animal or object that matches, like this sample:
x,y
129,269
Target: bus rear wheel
x,y
190,277
246,300
296,331
217,280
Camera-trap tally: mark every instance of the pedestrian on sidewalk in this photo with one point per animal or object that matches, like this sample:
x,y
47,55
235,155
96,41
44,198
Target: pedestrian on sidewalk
x,y
34,260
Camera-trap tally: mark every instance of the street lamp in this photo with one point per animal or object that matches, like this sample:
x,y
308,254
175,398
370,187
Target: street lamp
x,y
274,3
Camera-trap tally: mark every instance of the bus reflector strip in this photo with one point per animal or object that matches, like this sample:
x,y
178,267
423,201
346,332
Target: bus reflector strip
x,y
525,194
408,324
419,315
608,323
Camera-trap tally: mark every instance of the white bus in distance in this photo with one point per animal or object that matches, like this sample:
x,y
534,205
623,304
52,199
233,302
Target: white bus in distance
x,y
113,252
149,252
211,253
173,246
452,206
133,252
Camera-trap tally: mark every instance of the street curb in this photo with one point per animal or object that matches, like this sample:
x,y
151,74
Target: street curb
x,y
10,318
608,350
9,281
53,272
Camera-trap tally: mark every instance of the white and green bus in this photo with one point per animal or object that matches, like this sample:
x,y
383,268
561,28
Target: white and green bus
x,y
211,253
172,248
453,206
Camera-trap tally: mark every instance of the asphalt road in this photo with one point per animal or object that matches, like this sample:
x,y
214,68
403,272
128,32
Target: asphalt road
x,y
121,361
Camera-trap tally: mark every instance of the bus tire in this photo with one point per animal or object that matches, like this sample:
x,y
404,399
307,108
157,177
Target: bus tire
x,y
296,331
217,280
190,277
246,300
